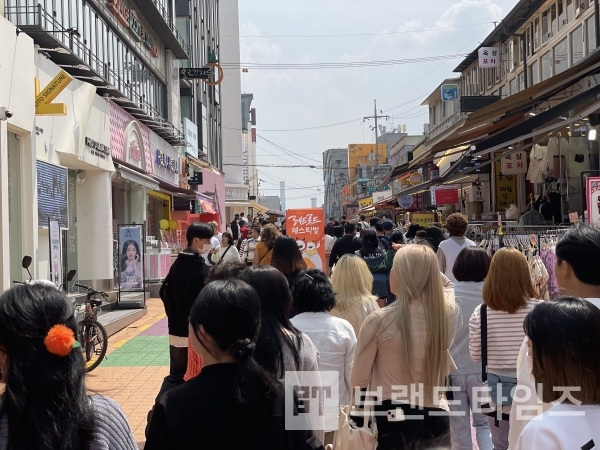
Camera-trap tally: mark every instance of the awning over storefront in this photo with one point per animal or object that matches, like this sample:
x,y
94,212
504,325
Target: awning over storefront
x,y
258,209
274,212
420,187
238,203
169,189
426,149
135,177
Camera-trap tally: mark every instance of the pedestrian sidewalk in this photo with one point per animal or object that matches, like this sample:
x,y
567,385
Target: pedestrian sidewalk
x,y
137,361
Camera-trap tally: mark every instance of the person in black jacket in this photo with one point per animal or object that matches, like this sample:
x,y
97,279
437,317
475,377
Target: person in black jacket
x,y
346,244
235,229
233,403
178,292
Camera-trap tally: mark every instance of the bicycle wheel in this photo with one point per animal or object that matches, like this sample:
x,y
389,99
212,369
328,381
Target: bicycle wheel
x,y
95,343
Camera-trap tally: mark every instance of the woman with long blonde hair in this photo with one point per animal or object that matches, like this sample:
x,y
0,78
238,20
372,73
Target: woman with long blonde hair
x,y
352,282
404,349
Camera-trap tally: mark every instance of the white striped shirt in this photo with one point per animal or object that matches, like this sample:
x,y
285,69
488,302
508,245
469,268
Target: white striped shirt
x,y
504,338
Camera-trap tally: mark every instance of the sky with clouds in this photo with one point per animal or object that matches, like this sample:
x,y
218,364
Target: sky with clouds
x,y
305,102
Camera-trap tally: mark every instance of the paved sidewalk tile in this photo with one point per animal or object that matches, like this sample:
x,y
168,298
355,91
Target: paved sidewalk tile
x,y
137,361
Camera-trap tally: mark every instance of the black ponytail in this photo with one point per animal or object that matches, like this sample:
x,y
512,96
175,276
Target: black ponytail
x,y
45,401
230,313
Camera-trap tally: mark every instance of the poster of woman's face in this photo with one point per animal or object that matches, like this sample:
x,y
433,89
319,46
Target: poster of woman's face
x,y
131,258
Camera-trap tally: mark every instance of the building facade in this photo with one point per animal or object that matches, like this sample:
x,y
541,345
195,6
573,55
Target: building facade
x,y
335,175
522,132
125,140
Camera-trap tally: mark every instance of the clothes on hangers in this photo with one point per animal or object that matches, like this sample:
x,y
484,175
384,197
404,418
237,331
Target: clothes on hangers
x,y
537,164
548,256
539,276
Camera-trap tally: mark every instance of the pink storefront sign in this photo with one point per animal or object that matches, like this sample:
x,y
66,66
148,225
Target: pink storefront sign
x,y
129,140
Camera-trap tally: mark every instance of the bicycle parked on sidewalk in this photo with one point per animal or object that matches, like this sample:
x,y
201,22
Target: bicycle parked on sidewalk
x,y
92,334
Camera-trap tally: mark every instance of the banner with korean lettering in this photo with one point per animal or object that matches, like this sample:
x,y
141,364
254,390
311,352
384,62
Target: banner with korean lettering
x,y
515,164
307,226
506,189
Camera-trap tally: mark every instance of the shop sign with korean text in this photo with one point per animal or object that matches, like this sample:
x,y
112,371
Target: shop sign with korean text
x,y
475,193
489,57
444,195
515,164
423,219
307,227
593,200
506,189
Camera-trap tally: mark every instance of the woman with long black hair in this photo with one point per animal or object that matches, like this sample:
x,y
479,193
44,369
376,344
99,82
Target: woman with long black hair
x,y
234,402
280,346
45,405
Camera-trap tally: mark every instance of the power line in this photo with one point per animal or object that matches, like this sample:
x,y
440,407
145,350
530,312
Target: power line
x,y
291,153
359,34
338,65
433,70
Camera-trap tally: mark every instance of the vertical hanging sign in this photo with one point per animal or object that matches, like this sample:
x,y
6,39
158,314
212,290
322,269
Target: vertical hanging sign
x,y
55,252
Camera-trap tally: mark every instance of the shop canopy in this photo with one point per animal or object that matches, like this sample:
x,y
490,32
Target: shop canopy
x,y
258,209
274,212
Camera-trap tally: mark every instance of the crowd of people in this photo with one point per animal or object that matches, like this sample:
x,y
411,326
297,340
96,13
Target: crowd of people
x,y
446,320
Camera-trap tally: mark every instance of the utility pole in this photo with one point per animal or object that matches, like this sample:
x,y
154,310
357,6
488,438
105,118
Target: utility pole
x,y
376,116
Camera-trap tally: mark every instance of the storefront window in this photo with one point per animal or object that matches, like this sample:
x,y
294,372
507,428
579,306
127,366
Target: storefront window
x,y
577,44
569,10
553,20
591,34
533,73
561,57
546,66
503,92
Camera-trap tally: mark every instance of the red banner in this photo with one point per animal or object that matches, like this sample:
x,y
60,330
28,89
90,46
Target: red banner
x,y
307,226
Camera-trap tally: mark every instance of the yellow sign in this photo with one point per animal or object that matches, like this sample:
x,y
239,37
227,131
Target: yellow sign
x,y
423,219
506,189
415,178
365,202
44,97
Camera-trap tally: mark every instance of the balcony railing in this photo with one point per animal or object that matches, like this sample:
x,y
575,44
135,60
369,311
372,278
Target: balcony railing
x,y
445,124
164,12
76,58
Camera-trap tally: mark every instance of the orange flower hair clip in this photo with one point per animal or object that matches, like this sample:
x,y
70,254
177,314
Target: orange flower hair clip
x,y
60,340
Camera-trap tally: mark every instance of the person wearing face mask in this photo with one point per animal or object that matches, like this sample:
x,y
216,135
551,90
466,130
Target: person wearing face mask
x,y
178,292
